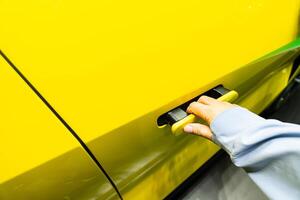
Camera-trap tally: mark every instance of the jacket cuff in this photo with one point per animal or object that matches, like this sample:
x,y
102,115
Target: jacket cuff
x,y
228,126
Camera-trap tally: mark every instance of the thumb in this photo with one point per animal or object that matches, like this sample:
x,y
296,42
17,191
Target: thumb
x,y
198,129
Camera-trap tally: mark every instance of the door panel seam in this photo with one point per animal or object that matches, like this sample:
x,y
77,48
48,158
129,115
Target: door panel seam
x,y
59,117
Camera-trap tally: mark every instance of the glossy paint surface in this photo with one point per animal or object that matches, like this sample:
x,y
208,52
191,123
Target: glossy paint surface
x,y
111,68
86,58
152,161
39,158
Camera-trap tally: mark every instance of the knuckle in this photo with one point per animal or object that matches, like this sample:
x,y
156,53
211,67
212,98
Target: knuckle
x,y
198,131
202,98
192,106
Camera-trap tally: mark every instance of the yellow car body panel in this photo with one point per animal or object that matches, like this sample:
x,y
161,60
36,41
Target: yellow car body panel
x,y
40,159
111,68
95,54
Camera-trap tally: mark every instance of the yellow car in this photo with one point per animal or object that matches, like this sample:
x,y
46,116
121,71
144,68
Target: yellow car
x,y
91,90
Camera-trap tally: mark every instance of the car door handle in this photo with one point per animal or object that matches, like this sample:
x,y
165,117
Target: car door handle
x,y
177,128
178,118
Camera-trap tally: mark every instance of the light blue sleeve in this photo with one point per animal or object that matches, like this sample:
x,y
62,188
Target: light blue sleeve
x,y
268,150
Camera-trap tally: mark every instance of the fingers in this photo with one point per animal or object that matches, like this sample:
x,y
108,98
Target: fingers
x,y
199,110
206,100
199,129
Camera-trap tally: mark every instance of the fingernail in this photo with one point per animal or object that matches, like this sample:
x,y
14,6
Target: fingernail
x,y
188,129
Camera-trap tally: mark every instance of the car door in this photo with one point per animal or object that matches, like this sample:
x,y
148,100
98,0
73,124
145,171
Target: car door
x,y
40,159
112,68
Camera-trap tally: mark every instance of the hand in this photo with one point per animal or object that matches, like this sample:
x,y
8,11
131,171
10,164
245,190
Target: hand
x,y
206,108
